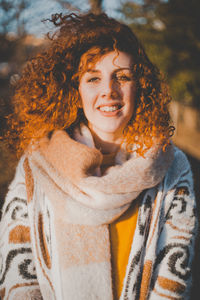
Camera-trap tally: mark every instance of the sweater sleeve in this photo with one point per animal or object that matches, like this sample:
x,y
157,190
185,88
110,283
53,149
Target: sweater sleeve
x,y
18,278
176,238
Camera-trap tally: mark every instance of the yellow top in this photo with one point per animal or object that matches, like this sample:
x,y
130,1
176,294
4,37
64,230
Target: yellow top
x,y
121,237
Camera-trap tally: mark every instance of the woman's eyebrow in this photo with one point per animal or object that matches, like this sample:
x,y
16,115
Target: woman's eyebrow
x,y
115,70
122,69
93,71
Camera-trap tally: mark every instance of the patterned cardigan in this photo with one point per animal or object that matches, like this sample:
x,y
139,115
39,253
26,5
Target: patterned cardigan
x,y
160,260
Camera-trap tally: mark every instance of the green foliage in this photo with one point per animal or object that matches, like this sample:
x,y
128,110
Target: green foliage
x,y
170,32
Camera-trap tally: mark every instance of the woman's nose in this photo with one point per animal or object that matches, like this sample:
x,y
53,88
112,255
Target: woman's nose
x,y
109,89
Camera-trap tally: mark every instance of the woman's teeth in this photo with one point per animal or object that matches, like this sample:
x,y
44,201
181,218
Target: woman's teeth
x,y
109,108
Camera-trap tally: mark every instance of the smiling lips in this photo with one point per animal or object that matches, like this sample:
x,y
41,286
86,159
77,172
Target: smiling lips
x,y
109,109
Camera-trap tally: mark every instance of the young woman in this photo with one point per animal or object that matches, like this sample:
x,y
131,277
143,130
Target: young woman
x,y
102,203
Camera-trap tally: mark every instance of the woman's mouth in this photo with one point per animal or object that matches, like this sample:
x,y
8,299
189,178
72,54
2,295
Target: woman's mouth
x,y
110,109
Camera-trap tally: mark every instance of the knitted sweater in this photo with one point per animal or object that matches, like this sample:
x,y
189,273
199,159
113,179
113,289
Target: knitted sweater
x,y
160,260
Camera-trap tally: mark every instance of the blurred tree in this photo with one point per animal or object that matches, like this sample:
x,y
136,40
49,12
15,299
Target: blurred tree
x,y
170,31
96,6
13,51
182,36
11,14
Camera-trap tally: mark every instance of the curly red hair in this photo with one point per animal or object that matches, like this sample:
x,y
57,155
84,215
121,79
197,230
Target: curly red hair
x,y
47,97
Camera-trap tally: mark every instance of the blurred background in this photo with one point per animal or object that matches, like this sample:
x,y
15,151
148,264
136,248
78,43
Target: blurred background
x,y
170,32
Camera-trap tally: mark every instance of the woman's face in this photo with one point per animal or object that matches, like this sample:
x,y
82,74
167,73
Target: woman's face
x,y
107,91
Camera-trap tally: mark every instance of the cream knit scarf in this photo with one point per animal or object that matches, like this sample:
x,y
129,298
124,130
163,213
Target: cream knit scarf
x,y
72,205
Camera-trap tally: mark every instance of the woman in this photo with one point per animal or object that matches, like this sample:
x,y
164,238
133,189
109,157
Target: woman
x,y
102,203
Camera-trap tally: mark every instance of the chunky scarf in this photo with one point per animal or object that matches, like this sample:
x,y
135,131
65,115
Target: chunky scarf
x,y
71,205
54,229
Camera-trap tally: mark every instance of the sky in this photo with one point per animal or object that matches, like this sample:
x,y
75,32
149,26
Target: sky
x,y
42,9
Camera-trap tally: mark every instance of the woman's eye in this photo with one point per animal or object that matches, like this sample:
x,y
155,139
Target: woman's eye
x,y
123,78
93,79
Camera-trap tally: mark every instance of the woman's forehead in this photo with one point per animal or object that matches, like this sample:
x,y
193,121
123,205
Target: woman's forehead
x,y
95,58
116,59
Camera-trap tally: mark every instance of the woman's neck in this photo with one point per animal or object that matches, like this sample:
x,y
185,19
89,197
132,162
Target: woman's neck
x,y
106,147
